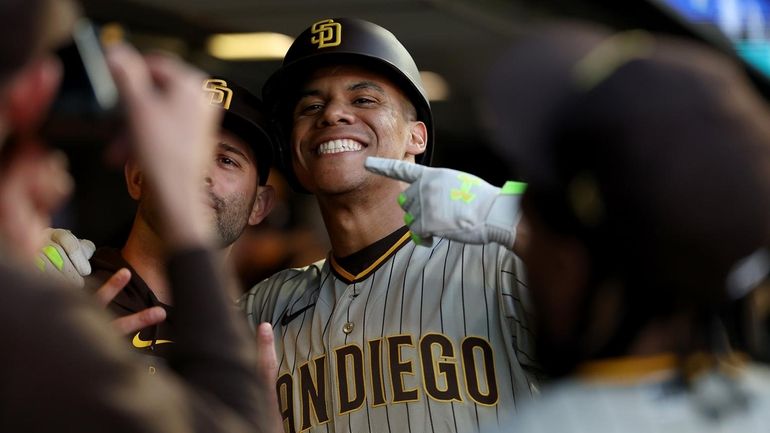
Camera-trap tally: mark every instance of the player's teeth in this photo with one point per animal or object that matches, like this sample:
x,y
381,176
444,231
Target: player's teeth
x,y
337,146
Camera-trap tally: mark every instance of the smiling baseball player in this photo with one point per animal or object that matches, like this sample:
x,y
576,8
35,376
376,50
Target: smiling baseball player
x,y
386,335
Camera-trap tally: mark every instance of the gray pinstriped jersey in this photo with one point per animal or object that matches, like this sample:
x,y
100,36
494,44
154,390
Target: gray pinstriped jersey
x,y
425,340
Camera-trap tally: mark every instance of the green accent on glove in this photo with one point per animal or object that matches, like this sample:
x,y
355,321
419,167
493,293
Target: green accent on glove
x,y
53,255
513,188
40,263
464,192
401,199
416,238
408,218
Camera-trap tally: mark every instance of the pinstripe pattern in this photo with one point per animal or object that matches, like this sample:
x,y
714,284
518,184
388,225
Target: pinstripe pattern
x,y
437,308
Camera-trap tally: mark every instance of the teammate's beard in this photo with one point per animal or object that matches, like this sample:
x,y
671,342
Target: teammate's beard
x,y
232,216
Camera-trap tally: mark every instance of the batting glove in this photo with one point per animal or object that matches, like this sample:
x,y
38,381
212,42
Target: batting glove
x,y
66,257
452,204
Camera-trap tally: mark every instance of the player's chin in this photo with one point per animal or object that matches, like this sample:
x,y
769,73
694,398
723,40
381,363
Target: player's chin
x,y
346,163
340,182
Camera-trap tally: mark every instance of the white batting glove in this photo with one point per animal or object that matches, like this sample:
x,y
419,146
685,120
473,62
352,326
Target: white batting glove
x,y
65,257
452,204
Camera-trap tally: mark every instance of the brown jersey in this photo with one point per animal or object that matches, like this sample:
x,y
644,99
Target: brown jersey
x,y
155,341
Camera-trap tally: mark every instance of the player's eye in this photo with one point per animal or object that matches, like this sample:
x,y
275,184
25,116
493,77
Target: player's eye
x,y
309,108
364,100
227,161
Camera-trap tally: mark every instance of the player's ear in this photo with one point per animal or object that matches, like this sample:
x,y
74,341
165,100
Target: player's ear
x,y
262,205
134,178
418,138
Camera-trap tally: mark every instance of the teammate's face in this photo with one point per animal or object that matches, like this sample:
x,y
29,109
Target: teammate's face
x,y
345,114
232,186
231,183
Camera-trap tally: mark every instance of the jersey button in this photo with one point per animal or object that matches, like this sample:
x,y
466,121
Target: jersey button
x,y
348,327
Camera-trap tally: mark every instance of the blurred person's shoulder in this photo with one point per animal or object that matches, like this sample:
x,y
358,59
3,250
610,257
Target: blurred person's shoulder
x,y
577,405
35,309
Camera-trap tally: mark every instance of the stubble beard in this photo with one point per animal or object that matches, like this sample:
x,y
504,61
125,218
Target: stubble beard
x,y
230,217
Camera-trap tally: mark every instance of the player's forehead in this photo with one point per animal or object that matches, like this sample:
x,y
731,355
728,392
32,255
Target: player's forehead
x,y
227,141
348,77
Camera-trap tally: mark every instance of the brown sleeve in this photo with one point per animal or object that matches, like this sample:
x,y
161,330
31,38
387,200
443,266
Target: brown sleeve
x,y
214,349
62,368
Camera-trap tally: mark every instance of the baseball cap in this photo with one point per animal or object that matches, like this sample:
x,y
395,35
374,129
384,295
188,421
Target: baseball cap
x,y
245,117
654,151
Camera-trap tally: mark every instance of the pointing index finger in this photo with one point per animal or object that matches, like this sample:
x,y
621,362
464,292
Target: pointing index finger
x,y
394,169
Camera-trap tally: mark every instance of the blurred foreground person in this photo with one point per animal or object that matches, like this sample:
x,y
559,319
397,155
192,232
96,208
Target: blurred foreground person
x,y
648,208
63,368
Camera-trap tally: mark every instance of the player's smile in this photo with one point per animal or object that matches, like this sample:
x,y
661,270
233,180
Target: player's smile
x,y
339,146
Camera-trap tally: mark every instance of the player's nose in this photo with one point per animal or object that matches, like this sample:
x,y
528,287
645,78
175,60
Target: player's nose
x,y
335,112
208,178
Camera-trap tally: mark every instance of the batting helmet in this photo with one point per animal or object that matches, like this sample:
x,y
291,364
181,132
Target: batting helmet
x,y
343,41
245,117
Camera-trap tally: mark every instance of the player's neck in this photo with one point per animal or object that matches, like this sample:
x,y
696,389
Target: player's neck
x,y
145,253
355,224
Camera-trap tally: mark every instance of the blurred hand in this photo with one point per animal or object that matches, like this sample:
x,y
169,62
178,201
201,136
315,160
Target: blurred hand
x,y
452,204
34,182
171,128
65,257
267,372
134,322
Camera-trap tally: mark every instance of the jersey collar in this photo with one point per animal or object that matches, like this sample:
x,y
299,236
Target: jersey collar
x,y
359,265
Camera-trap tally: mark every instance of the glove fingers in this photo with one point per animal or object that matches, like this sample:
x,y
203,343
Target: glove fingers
x,y
409,203
426,241
412,197
54,262
73,251
429,242
414,221
66,240
394,169
88,248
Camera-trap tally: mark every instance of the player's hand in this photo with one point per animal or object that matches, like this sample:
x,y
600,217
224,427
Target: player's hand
x,y
171,131
267,372
452,204
133,322
65,257
34,182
